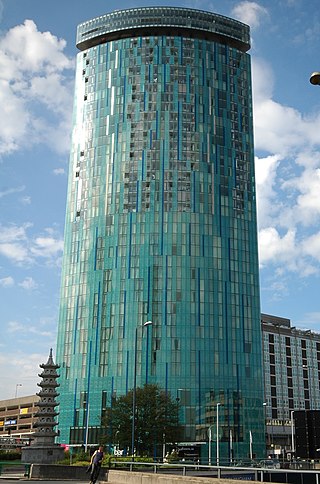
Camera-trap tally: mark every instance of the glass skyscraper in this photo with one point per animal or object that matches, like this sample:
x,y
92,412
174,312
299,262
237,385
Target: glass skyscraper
x,y
161,226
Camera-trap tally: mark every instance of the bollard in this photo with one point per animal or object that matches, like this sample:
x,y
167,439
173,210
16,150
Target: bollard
x,y
27,470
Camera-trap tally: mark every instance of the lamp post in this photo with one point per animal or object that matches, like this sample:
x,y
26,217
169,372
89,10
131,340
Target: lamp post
x,y
250,444
265,423
16,392
315,78
115,438
292,433
87,425
218,457
210,440
146,324
231,445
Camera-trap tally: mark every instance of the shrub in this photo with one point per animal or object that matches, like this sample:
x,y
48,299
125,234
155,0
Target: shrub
x,y
10,455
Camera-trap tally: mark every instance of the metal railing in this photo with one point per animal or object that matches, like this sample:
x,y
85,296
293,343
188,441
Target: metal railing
x,y
289,476
16,469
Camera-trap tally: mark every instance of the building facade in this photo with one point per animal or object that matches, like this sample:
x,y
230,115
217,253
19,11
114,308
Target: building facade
x,y
161,226
292,378
17,420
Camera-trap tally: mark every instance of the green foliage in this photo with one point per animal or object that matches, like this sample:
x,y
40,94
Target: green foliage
x,y
81,463
81,456
10,455
173,457
156,420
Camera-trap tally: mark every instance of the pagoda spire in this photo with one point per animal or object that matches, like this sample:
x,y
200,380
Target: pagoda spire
x,y
43,448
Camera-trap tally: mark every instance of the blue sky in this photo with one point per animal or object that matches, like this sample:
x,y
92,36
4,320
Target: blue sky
x,y
37,60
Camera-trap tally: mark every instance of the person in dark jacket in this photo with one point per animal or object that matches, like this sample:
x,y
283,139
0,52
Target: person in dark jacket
x,y
96,461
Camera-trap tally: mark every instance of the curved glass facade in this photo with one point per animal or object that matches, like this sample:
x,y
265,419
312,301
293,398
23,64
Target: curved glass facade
x,y
132,22
161,226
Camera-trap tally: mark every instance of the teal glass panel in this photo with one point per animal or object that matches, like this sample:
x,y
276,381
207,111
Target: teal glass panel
x,y
161,226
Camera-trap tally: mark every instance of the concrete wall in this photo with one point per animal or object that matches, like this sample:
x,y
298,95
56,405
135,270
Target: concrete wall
x,y
47,471
45,454
123,477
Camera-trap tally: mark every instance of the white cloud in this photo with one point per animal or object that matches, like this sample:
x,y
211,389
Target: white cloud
x,y
273,247
7,281
13,232
26,329
279,129
266,179
282,129
13,243
25,200
306,187
288,182
34,71
250,13
59,171
10,191
47,247
28,283
21,248
16,252
14,327
34,51
311,246
263,79
25,365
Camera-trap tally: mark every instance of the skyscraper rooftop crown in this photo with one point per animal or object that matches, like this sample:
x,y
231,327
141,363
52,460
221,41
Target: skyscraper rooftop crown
x,y
163,21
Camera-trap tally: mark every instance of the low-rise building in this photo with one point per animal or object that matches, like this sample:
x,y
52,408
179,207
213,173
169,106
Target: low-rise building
x,y
291,359
17,419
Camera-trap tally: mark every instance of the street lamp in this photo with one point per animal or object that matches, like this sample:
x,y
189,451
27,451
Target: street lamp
x,y
146,324
265,423
218,457
16,392
292,433
210,439
87,424
315,78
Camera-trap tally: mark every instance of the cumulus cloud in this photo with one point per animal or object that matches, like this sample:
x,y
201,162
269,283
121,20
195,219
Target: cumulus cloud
x,y
59,171
28,283
7,281
21,248
275,247
283,129
266,179
25,365
34,70
250,13
13,243
311,246
47,246
288,182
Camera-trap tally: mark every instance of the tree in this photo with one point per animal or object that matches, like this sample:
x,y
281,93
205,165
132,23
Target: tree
x,y
156,420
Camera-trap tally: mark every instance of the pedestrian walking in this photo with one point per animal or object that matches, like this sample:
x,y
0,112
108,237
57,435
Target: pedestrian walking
x,y
96,461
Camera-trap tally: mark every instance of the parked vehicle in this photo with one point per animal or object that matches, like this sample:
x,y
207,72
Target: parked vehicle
x,y
247,463
270,464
